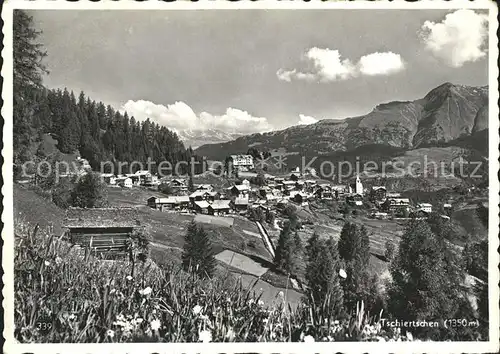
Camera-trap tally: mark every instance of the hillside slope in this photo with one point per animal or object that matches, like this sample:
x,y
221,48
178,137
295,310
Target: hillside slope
x,y
446,113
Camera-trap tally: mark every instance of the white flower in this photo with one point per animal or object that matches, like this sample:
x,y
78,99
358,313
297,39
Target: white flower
x,y
129,277
409,336
120,318
72,317
197,309
281,294
260,303
110,333
112,291
205,336
47,263
251,301
342,273
58,260
155,325
309,339
146,291
230,334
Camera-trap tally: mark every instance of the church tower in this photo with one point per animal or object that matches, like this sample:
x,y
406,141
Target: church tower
x,y
359,186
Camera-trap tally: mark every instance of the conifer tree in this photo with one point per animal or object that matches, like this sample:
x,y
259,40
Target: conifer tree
x,y
197,254
324,292
424,286
284,258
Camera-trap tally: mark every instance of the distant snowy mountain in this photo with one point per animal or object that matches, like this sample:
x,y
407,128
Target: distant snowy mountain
x,y
196,138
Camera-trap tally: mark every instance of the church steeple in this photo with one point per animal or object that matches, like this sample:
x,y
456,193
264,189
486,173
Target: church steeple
x,y
359,185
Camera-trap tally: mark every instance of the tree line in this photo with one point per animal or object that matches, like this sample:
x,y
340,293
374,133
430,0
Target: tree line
x,y
80,125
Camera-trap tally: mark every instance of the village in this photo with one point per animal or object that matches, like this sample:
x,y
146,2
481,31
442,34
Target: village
x,y
253,190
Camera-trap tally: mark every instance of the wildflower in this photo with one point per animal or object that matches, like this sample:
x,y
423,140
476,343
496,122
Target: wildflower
x,y
381,339
260,303
251,301
145,291
72,317
342,273
230,334
205,336
112,291
129,278
281,294
309,339
138,320
409,336
110,333
204,317
58,260
47,263
155,325
197,309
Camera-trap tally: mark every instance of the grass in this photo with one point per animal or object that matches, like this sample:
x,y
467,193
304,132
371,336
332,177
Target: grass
x,y
84,300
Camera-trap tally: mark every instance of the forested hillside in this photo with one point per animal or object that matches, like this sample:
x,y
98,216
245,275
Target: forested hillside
x,y
98,132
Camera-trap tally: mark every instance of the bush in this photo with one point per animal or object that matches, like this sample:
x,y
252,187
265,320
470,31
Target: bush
x,y
90,192
389,250
165,188
62,194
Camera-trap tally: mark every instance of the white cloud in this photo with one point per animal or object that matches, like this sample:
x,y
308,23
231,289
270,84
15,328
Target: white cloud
x,y
306,120
381,64
327,65
458,39
179,116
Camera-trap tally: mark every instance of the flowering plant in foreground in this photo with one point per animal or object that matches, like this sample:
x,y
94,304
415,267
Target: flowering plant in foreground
x,y
88,300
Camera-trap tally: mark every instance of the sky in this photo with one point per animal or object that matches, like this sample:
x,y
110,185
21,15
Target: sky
x,y
249,71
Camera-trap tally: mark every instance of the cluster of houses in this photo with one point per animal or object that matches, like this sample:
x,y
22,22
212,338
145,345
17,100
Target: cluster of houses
x,y
239,198
139,178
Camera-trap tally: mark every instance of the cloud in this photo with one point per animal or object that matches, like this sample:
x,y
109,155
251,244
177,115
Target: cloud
x,y
306,120
458,39
179,116
327,65
381,64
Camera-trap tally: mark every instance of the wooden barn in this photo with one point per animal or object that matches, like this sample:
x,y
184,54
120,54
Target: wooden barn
x,y
104,231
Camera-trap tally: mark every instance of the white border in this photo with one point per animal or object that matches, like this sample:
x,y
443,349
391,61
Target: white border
x,y
399,347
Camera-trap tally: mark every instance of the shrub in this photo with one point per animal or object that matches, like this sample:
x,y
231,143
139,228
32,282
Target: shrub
x,y
90,192
389,250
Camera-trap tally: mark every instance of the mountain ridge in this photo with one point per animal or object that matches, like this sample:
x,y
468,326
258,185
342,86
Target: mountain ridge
x,y
444,114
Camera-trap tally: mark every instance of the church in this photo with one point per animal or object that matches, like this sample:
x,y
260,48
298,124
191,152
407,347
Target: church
x,y
357,187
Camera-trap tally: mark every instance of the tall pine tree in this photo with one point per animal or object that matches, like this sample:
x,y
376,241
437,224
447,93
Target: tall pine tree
x,y
197,254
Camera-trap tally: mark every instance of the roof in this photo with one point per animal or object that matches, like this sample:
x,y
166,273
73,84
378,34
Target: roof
x,y
241,201
142,172
241,157
220,204
376,188
400,200
204,186
240,187
425,204
173,199
101,217
202,204
198,193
